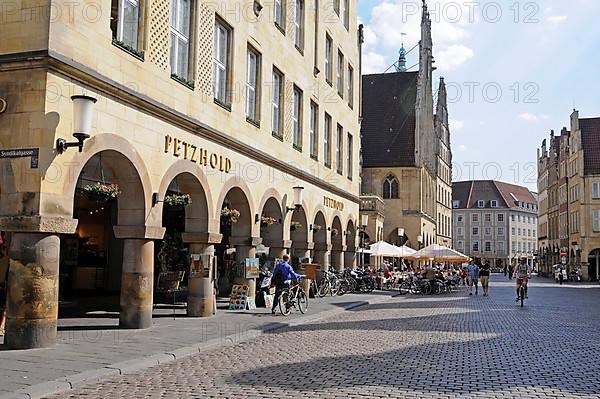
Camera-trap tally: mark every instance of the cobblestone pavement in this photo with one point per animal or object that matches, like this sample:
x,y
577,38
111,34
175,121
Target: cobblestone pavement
x,y
450,346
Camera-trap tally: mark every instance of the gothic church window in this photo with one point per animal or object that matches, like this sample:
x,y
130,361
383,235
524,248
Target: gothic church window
x,y
390,188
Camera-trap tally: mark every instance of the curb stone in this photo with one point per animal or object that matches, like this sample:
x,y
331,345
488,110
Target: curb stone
x,y
134,365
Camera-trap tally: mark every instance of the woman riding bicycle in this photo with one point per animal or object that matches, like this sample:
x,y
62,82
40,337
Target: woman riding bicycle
x,y
522,273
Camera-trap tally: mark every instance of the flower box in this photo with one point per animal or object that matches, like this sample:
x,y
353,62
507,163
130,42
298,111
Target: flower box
x,y
267,221
317,227
334,232
178,199
101,192
232,215
295,225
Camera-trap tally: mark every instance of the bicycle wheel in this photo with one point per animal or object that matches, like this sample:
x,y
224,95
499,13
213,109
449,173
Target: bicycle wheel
x,y
284,303
324,288
522,294
351,284
334,287
302,300
426,289
404,288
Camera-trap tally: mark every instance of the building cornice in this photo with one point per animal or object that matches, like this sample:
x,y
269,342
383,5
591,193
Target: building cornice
x,y
84,75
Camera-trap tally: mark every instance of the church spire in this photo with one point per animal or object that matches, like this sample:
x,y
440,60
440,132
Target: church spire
x,y
401,64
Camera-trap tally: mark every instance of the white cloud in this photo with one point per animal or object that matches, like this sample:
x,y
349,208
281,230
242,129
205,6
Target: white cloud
x,y
526,116
556,18
453,56
456,125
374,62
462,148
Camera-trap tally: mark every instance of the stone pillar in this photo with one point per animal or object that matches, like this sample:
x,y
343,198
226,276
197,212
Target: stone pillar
x,y
137,283
337,258
321,251
201,296
32,305
278,248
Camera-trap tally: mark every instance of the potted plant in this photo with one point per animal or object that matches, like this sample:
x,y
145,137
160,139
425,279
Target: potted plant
x,y
267,221
334,232
102,192
232,215
316,227
294,225
178,199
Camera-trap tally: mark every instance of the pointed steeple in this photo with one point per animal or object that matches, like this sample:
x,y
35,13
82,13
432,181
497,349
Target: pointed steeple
x,y
401,65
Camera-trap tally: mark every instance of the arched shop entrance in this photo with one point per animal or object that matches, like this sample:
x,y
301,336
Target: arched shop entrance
x,y
350,254
94,262
321,247
185,252
337,249
594,264
237,243
300,248
271,221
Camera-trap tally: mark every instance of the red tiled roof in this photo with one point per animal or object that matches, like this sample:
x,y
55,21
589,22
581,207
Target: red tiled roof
x,y
590,139
468,193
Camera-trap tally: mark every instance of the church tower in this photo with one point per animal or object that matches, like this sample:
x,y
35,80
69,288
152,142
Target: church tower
x,y
424,130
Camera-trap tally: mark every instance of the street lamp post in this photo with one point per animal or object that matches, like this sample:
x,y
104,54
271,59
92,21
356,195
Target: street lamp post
x,y
364,221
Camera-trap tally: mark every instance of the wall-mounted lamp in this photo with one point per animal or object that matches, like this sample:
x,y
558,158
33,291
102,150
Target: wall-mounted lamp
x,y
297,199
256,218
400,232
419,238
83,107
155,199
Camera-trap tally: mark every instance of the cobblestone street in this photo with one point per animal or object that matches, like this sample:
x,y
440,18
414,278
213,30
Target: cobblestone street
x,y
448,346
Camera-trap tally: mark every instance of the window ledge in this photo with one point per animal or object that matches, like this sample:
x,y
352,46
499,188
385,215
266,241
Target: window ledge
x,y
297,147
187,83
222,104
300,50
277,136
328,165
329,82
314,157
280,28
130,50
349,178
340,172
253,122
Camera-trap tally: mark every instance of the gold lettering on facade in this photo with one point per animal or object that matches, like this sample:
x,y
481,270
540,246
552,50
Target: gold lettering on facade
x,y
168,141
197,155
176,147
331,203
194,157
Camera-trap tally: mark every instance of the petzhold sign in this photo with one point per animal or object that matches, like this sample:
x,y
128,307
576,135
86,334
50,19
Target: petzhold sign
x,y
193,153
331,203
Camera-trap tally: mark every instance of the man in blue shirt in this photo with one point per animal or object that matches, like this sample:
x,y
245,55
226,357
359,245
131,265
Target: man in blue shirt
x,y
282,278
473,277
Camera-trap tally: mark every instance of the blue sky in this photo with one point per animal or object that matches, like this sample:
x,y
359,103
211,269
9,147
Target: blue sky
x,y
511,75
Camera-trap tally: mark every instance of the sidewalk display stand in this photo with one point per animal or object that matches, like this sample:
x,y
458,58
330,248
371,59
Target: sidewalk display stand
x,y
239,297
310,269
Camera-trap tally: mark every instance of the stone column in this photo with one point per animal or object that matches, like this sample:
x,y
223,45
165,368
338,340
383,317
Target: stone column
x,y
278,248
32,306
321,251
137,282
201,296
337,258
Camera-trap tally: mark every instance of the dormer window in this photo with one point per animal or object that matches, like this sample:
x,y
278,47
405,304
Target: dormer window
x,y
494,204
455,204
480,204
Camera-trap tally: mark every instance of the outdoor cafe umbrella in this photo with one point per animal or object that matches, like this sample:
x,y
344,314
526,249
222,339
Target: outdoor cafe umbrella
x,y
385,249
405,251
440,253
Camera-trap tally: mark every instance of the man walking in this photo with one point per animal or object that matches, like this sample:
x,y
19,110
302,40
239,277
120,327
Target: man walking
x,y
282,278
473,277
484,275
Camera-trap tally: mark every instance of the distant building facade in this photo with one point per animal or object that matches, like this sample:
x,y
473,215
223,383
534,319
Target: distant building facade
x,y
406,150
494,220
569,186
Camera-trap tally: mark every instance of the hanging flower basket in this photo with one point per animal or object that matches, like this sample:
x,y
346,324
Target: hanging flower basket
x,y
317,227
267,221
178,199
233,215
295,225
334,232
101,192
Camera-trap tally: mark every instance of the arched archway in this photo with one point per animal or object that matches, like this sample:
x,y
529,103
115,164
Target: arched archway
x,y
300,248
106,255
271,229
350,254
237,243
185,217
319,232
594,264
337,249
